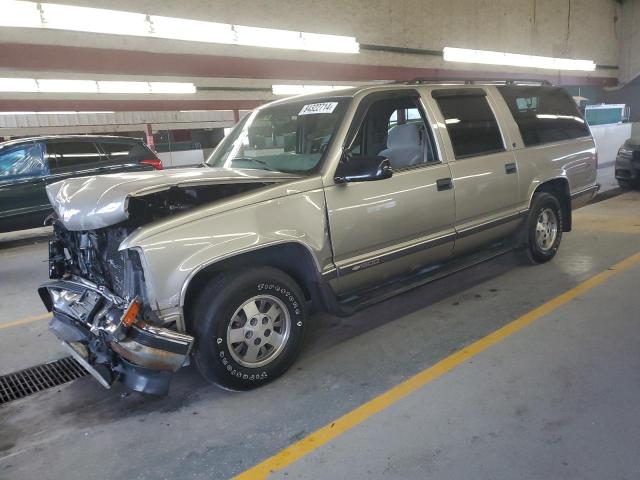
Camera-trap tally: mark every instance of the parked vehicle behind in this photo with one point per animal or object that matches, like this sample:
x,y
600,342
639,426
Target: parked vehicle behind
x,y
627,167
28,165
337,200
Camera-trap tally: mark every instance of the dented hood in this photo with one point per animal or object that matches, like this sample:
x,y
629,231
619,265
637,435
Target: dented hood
x,y
88,203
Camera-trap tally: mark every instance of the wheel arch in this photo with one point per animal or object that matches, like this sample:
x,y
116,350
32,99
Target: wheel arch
x,y
559,187
293,258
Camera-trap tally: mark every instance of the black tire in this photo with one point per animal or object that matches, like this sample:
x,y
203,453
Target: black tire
x,y
214,311
529,251
626,184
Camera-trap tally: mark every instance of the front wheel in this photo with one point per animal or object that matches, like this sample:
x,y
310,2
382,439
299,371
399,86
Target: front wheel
x,y
249,327
542,230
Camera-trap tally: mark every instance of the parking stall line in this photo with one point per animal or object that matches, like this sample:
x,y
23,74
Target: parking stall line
x,y
334,429
25,321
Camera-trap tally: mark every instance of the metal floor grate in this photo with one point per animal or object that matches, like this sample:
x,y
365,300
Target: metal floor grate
x,y
41,377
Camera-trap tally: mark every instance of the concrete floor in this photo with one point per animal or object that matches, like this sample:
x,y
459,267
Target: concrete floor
x,y
556,400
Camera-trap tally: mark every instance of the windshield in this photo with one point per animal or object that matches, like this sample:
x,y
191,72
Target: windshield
x,y
290,137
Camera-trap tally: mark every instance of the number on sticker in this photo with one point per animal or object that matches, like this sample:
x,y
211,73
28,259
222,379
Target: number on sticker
x,y
316,108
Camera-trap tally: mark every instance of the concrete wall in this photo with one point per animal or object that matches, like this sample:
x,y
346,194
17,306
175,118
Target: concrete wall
x,y
630,41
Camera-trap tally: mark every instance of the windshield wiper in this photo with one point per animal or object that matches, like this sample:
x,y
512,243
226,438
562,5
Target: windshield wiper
x,y
255,160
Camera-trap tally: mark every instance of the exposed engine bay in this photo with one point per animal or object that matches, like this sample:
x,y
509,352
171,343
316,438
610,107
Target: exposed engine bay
x,y
94,255
144,209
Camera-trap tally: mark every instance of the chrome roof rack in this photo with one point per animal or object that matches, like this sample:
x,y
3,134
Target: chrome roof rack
x,y
483,81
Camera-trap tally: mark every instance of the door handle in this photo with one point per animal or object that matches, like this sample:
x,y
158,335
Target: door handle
x,y
444,184
510,168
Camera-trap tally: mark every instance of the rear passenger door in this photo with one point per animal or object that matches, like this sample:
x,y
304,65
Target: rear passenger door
x,y
483,168
23,200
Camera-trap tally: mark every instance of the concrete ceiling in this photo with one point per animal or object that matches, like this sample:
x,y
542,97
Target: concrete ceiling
x,y
399,42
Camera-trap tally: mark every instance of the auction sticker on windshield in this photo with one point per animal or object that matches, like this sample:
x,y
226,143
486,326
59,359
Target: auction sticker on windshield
x,y
315,108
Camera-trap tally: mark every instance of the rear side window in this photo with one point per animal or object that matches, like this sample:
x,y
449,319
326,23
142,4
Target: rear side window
x,y
23,161
65,156
544,114
471,124
126,152
117,151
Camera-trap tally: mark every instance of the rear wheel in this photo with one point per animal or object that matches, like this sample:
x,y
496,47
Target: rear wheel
x,y
249,327
542,231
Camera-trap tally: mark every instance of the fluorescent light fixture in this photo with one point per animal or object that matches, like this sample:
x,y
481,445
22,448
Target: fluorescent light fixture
x,y
93,86
451,121
172,87
67,86
191,30
95,20
18,85
301,89
19,14
319,42
268,37
123,87
515,59
118,22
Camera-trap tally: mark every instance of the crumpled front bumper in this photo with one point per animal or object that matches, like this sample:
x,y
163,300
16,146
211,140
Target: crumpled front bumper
x,y
89,321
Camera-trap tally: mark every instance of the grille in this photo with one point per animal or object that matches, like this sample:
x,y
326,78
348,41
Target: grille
x,y
41,377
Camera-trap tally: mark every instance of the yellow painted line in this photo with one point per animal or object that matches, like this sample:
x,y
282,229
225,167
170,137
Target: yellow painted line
x,y
24,321
353,418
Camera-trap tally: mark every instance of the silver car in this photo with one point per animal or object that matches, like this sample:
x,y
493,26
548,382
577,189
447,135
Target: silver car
x,y
338,200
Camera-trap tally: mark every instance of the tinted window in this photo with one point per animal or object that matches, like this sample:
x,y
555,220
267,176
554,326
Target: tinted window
x,y
72,155
471,124
117,151
395,128
123,152
544,114
22,161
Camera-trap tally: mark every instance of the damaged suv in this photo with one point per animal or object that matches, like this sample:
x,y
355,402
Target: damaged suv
x,y
338,200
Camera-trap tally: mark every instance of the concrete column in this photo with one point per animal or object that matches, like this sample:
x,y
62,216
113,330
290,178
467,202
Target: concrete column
x,y
149,134
630,41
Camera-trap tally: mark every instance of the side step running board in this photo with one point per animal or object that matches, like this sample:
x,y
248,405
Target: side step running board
x,y
349,304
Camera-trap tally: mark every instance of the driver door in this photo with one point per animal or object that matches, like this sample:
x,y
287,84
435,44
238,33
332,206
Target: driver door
x,y
399,225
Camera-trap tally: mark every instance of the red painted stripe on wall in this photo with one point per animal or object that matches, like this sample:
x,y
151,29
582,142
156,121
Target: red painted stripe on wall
x,y
127,62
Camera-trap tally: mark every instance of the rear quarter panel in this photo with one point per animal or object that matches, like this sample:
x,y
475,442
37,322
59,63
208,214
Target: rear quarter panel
x,y
573,160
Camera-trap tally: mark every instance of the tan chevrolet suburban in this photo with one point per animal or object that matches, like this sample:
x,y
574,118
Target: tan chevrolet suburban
x,y
339,200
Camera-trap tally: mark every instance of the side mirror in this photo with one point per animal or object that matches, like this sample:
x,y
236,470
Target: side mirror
x,y
363,169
